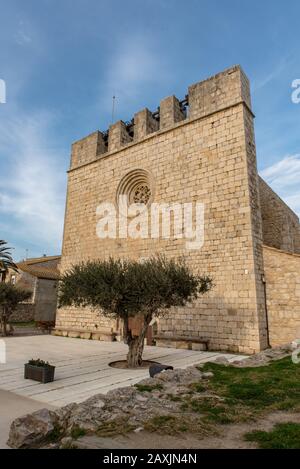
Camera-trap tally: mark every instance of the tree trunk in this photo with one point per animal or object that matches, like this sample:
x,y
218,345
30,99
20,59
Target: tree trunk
x,y
3,322
4,328
136,343
135,352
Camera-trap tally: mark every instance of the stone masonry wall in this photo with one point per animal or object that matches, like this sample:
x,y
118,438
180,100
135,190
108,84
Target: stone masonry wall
x,y
208,157
281,227
25,312
282,274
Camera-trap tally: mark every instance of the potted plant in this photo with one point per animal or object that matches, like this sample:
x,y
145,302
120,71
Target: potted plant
x,y
39,370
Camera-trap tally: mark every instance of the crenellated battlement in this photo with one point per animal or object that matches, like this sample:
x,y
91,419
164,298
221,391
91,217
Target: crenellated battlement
x,y
218,92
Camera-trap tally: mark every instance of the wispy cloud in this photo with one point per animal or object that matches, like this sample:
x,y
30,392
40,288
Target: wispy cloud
x,y
284,177
24,34
32,193
134,65
277,70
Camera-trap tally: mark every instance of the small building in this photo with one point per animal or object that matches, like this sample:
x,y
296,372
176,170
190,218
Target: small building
x,y
39,275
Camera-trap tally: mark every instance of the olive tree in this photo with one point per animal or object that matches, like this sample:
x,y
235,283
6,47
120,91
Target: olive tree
x,y
10,297
125,289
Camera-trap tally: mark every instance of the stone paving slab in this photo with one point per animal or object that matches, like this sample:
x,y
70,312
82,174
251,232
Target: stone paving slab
x,y
82,367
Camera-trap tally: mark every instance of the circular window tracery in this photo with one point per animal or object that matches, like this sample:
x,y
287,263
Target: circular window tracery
x,y
142,194
137,187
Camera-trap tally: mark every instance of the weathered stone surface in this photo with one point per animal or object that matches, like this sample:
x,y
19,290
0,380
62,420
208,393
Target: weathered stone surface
x,y
67,443
32,429
85,335
282,275
266,356
221,361
96,336
74,334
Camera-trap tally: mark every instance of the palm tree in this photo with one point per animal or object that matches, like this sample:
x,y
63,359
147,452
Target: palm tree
x,y
6,260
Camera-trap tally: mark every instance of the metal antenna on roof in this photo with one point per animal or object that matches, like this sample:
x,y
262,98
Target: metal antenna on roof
x,y
113,109
26,255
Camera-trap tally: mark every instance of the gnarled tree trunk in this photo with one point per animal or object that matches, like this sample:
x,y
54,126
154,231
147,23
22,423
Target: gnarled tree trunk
x,y
136,343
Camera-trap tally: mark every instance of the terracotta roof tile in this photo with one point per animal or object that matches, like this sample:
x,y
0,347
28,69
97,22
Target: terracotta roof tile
x,y
41,272
38,260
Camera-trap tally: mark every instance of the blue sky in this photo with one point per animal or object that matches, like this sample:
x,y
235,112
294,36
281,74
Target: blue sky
x,y
62,60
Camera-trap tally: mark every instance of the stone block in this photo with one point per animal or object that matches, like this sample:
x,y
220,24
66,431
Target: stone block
x,y
85,335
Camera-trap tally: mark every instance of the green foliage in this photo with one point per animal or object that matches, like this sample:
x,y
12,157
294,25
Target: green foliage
x,y
239,394
55,435
198,387
22,324
275,386
167,424
38,362
283,436
6,261
77,432
173,425
114,427
127,288
213,410
11,296
148,388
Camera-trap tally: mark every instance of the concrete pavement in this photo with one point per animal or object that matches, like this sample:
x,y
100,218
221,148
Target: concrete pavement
x,y
82,366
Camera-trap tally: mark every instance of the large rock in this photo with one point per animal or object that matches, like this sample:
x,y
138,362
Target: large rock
x,y
32,429
181,377
88,416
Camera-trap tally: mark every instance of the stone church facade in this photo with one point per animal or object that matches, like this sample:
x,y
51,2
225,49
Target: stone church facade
x,y
201,149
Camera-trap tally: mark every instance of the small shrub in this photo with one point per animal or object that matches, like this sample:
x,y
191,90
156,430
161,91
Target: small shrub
x,y
55,435
38,362
77,432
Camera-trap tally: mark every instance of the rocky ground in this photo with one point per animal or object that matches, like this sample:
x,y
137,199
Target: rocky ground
x,y
175,409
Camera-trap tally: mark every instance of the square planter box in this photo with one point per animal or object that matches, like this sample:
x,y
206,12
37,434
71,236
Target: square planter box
x,y
43,374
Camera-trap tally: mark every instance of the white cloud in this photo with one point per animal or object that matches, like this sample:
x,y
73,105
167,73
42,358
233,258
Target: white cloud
x,y
284,178
285,172
133,66
32,193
